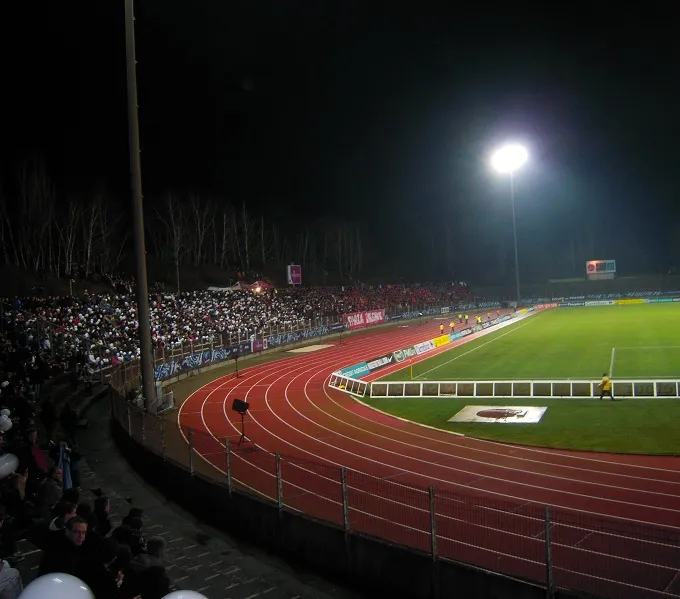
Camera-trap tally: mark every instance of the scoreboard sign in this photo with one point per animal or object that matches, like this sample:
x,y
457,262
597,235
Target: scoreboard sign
x,y
600,269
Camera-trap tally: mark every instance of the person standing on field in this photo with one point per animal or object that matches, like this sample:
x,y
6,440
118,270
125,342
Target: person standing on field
x,y
606,387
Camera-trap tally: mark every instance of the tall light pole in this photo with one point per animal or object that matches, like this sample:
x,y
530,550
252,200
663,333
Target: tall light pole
x,y
507,160
143,319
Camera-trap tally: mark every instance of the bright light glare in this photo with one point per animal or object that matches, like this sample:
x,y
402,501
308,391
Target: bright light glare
x,y
509,158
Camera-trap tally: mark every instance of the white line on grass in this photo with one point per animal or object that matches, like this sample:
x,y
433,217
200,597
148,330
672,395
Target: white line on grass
x,y
611,362
422,374
651,347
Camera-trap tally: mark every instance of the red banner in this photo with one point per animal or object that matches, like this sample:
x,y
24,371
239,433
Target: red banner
x,y
358,320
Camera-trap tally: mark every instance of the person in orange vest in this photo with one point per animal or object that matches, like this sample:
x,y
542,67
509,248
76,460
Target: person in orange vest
x,y
453,326
441,329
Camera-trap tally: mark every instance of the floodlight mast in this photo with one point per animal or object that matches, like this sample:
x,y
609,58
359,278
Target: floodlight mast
x,y
143,316
508,159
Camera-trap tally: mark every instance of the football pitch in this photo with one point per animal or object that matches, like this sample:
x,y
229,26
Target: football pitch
x,y
627,341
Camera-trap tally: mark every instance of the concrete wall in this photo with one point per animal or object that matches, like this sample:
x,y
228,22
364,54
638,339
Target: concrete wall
x,y
369,565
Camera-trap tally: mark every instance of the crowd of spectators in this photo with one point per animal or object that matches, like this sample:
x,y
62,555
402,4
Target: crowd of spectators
x,y
103,327
43,337
41,498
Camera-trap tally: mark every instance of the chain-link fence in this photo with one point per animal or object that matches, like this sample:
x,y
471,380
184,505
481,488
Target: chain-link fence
x,y
556,548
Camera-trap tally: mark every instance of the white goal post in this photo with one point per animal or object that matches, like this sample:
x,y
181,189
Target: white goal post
x,y
535,388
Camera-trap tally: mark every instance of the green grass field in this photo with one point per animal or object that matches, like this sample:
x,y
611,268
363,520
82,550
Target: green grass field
x,y
629,341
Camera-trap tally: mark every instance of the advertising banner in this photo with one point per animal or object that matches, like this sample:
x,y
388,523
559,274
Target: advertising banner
x,y
380,362
445,310
600,303
258,345
295,336
294,274
628,302
424,347
546,306
336,326
660,300
443,340
404,354
355,371
358,320
174,367
572,304
676,299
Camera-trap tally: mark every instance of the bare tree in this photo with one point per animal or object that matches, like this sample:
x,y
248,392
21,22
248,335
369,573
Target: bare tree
x,y
246,229
173,218
91,217
67,228
202,217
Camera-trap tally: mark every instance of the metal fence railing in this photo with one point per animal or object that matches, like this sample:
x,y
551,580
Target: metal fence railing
x,y
553,547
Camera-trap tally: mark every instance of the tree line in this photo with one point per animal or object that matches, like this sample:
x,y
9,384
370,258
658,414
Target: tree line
x,y
40,231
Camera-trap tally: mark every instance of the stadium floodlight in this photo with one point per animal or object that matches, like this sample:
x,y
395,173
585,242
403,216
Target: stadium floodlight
x,y
507,160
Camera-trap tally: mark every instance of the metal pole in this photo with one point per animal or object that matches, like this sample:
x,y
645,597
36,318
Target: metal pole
x,y
279,482
137,212
191,451
345,505
163,453
514,232
433,524
548,556
227,446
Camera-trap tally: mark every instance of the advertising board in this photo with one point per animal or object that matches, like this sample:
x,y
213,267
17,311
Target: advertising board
x,y
629,302
404,354
355,371
380,362
442,340
424,347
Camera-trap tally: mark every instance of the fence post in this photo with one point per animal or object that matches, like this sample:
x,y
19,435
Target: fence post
x,y
191,451
433,524
163,454
548,556
129,418
143,428
279,482
227,447
345,504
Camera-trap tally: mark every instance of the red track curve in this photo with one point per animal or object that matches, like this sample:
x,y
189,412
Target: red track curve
x,y
489,496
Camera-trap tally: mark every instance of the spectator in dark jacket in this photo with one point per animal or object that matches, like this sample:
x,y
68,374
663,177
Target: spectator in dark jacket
x,y
102,507
65,554
145,576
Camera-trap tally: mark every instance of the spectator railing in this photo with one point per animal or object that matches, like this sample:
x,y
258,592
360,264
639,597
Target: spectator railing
x,y
553,547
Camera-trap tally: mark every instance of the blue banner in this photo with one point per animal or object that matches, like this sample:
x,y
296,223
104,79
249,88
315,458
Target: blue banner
x,y
660,300
175,367
337,326
294,336
355,371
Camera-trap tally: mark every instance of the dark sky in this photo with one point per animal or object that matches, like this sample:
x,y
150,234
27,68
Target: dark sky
x,y
370,112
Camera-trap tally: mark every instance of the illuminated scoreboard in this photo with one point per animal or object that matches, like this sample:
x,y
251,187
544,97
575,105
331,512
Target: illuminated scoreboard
x,y
600,269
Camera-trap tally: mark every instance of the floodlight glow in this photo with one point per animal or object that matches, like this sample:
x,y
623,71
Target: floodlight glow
x,y
509,158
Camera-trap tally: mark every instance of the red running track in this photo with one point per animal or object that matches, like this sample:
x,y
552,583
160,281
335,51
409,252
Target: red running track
x,y
614,522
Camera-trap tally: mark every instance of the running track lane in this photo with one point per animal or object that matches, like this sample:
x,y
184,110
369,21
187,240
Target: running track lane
x,y
489,496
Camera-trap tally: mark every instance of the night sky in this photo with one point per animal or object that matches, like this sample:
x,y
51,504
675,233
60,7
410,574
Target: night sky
x,y
363,112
